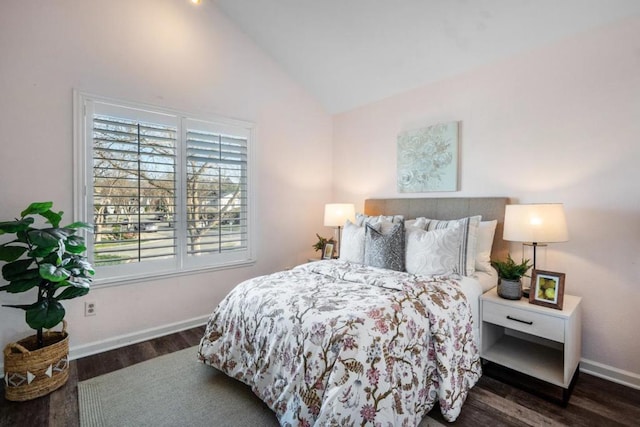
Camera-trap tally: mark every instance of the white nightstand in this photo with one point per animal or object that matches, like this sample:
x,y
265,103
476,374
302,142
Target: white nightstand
x,y
541,342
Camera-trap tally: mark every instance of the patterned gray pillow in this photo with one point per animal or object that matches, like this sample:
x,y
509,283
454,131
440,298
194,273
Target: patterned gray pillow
x,y
385,248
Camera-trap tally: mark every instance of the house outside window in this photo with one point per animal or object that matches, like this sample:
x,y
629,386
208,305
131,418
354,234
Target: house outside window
x,y
167,193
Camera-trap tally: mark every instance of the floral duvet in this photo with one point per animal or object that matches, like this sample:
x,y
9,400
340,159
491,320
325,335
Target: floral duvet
x,y
333,343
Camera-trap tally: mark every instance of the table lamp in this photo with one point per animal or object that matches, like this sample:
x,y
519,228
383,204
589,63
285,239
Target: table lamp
x,y
336,214
535,225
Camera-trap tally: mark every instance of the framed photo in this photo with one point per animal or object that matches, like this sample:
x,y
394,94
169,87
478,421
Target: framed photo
x,y
547,289
327,251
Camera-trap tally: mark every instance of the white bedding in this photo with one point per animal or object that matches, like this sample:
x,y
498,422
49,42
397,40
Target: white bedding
x,y
488,280
473,287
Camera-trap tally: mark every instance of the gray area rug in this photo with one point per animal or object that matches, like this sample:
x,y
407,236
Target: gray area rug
x,y
173,390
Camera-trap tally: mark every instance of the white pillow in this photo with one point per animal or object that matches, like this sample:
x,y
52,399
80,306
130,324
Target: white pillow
x,y
362,219
413,225
468,241
352,242
420,223
433,252
486,231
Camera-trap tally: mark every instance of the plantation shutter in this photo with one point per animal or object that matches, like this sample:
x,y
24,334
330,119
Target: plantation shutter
x,y
166,193
134,188
216,193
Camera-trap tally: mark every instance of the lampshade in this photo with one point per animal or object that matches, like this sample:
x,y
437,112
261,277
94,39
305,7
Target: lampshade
x,y
336,214
536,223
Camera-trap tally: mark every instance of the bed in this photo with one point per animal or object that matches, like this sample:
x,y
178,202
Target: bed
x,y
355,342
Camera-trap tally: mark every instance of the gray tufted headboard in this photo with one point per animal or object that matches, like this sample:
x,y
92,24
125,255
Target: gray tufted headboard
x,y
447,208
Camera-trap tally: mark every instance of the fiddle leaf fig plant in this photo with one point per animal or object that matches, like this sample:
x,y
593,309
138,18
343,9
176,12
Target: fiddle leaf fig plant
x,y
49,259
509,270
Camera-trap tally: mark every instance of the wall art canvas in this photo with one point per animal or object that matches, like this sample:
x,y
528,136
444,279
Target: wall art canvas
x,y
428,159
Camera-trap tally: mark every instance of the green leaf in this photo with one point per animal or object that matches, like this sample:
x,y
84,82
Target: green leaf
x,y
42,252
75,245
15,226
18,286
76,249
52,258
43,238
21,236
60,233
53,274
45,314
36,208
72,292
75,241
53,218
61,250
31,274
10,253
14,270
80,263
80,224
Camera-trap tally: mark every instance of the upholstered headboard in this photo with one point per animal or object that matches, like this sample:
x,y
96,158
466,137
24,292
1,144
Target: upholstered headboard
x,y
447,208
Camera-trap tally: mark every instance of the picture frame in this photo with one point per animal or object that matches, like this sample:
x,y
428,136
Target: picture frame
x,y
328,251
547,289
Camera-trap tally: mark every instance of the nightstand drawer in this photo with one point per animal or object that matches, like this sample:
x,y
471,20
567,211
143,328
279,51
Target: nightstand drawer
x,y
530,322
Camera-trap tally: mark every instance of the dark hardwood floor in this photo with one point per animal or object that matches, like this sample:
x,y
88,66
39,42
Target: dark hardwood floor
x,y
594,402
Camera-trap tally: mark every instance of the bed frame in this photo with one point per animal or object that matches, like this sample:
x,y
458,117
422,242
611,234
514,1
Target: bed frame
x,y
447,208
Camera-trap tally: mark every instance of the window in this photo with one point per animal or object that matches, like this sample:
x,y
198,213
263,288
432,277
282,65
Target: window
x,y
166,193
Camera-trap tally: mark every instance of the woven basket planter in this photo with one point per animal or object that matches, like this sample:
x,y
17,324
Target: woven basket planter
x,y
30,372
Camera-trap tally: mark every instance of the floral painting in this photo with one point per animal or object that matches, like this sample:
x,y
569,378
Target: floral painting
x,y
428,159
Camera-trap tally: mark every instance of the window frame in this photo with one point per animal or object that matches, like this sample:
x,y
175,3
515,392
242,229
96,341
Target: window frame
x,y
181,264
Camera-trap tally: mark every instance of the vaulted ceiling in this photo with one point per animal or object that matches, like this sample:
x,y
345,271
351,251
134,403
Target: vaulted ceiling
x,y
348,53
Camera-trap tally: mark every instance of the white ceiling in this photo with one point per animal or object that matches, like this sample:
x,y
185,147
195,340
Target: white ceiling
x,y
348,53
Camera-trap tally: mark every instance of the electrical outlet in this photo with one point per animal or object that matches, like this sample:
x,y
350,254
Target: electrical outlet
x,y
89,309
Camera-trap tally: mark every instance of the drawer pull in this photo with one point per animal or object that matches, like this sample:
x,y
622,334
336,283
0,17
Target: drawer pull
x,y
528,322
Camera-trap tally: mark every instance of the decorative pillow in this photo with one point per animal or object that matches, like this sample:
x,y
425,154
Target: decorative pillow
x,y
468,241
352,243
433,252
384,247
362,219
486,231
414,225
419,223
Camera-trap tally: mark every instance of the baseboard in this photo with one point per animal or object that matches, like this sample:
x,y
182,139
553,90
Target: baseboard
x,y
133,338
123,340
610,373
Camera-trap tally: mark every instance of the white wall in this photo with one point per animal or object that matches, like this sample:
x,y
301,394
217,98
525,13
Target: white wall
x,y
559,124
167,53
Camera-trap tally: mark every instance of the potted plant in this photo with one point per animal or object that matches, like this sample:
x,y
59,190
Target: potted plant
x,y
510,277
319,246
50,261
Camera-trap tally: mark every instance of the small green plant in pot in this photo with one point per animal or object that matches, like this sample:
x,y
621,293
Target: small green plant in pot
x,y
319,245
49,260
510,277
